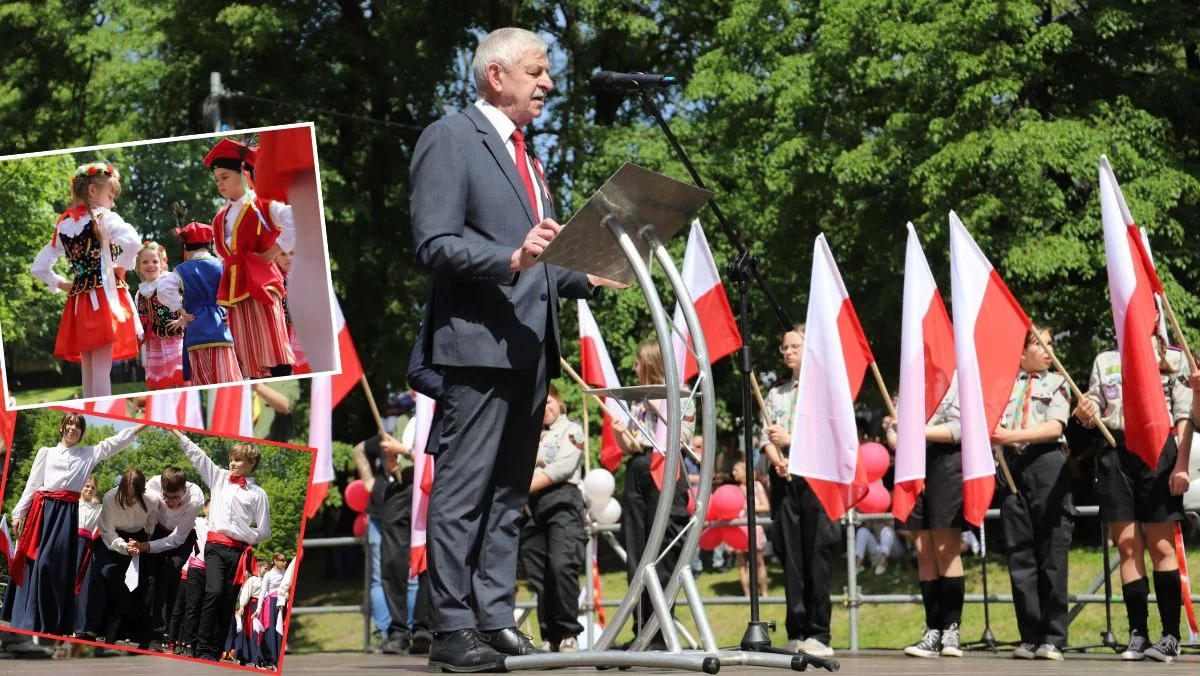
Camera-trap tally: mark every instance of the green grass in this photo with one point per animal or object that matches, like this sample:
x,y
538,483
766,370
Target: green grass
x,y
879,625
52,394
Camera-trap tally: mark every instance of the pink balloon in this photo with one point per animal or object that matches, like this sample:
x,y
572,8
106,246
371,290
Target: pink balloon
x,y
737,537
878,500
360,526
356,495
726,503
711,538
875,459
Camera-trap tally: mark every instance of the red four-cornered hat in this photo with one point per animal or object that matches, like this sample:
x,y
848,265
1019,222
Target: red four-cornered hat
x,y
230,154
195,233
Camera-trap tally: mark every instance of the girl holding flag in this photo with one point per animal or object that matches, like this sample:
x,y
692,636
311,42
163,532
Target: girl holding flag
x,y
41,594
1141,503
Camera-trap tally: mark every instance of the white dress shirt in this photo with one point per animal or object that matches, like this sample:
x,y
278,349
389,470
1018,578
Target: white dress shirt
x,y
63,468
179,521
270,582
281,216
89,515
505,127
135,518
232,508
201,538
285,584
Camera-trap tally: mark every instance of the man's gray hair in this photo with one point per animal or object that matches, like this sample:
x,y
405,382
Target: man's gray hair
x,y
503,46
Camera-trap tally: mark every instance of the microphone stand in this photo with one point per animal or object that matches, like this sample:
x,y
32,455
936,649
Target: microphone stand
x,y
741,270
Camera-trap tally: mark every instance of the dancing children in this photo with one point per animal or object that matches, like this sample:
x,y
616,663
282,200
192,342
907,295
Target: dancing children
x,y
41,595
268,609
173,540
1039,517
162,336
643,483
89,532
98,323
209,358
193,595
249,625
239,518
250,233
1140,503
805,532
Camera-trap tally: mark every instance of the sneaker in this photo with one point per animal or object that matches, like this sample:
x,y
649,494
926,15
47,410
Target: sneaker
x,y
795,645
1136,650
812,646
569,644
397,644
881,565
950,642
1166,650
1049,652
929,646
1025,651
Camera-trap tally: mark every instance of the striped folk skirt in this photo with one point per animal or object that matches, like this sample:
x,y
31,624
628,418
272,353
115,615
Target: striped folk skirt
x,y
260,337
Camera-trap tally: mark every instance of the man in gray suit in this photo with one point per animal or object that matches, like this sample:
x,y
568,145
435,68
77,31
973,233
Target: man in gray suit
x,y
481,214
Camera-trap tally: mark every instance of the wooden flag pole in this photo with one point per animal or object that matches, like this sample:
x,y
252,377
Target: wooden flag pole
x,y
1187,352
887,398
762,405
579,381
371,401
1075,388
587,439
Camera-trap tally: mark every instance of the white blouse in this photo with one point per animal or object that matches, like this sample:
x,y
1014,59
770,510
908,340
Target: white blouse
x,y
285,585
179,521
170,285
270,583
116,230
249,590
89,515
281,216
232,508
114,517
63,468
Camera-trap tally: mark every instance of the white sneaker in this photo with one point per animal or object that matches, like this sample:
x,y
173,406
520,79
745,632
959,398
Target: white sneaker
x,y
569,644
795,645
950,642
812,646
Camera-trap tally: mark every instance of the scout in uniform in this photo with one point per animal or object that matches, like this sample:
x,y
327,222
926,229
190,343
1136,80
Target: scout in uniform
x,y
1131,494
553,539
806,535
1039,518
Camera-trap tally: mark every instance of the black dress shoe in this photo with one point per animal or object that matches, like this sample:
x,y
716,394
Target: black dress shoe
x,y
464,651
397,644
510,642
420,643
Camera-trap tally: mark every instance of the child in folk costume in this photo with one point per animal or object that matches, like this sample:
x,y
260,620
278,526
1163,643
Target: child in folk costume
x,y
286,584
98,323
284,263
189,624
239,518
128,517
1141,504
641,489
89,532
268,610
250,233
41,594
209,356
803,533
162,337
249,625
1039,518
172,543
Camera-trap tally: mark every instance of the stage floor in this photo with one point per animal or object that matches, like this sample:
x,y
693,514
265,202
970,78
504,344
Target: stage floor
x,y
891,663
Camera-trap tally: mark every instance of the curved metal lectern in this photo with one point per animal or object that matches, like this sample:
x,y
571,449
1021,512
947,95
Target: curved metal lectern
x,y
597,240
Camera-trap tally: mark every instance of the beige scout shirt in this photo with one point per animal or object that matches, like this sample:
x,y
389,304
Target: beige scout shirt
x,y
1035,399
560,451
948,412
1105,388
781,407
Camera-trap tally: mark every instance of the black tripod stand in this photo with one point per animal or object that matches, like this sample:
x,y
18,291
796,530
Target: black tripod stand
x,y
741,271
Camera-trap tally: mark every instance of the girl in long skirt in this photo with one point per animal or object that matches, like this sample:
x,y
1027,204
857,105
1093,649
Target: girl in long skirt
x,y
268,605
128,517
89,532
249,626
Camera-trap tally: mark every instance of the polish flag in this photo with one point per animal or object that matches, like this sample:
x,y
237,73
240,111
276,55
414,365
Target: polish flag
x,y
320,437
1132,283
1162,316
111,406
423,480
10,548
836,357
703,283
989,337
352,370
231,411
926,369
181,409
597,370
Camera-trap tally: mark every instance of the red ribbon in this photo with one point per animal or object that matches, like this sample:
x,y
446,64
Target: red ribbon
x,y
239,480
245,563
80,576
248,622
27,546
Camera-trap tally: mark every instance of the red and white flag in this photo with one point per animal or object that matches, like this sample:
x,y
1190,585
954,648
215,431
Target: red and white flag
x,y
1132,283
6,540
231,410
352,370
926,369
703,283
111,406
423,481
989,336
181,409
836,357
596,369
320,437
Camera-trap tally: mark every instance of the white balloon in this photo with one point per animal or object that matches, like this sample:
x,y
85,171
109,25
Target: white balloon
x,y
1191,499
597,507
610,512
599,485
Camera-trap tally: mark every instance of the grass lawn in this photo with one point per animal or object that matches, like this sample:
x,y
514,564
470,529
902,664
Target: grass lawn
x,y
51,394
879,625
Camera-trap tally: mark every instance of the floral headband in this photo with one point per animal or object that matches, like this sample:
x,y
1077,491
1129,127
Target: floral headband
x,y
97,168
156,247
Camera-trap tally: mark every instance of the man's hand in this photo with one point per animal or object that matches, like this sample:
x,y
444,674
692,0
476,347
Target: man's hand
x,y
392,446
778,436
605,282
536,241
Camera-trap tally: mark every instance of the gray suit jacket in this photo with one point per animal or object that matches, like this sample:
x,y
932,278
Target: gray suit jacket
x,y
469,213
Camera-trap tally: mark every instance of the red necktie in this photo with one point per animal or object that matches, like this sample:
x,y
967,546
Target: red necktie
x,y
239,480
523,168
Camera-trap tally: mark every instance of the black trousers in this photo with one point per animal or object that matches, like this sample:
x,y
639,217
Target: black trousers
x,y
117,608
491,421
163,571
808,539
220,596
193,600
552,551
395,533
1038,522
639,503
178,610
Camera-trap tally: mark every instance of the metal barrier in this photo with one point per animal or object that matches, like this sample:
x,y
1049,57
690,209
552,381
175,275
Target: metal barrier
x,y
851,597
